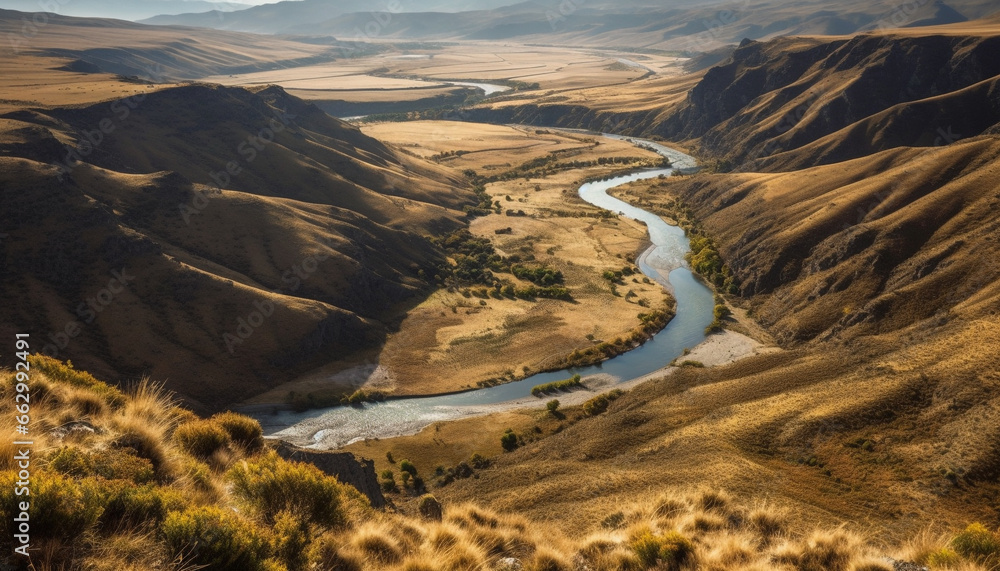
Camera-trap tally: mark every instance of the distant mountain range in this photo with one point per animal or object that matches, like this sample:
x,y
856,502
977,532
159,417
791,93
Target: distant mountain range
x,y
221,15
131,10
294,16
671,25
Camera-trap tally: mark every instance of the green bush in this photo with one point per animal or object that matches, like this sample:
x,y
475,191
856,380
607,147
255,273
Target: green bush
x,y
943,558
290,541
669,551
109,463
242,430
601,402
65,373
976,542
267,485
129,505
555,386
216,539
61,508
509,440
198,472
407,466
201,438
389,481
477,461
721,311
552,406
71,462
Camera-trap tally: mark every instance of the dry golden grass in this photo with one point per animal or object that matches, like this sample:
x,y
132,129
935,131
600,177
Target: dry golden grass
x,y
704,528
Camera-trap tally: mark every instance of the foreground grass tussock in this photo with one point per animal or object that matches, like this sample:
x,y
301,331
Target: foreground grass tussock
x,y
126,480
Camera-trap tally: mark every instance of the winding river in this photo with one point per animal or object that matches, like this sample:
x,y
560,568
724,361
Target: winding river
x,y
663,261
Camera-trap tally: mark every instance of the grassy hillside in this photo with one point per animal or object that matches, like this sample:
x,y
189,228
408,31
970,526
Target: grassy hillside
x,y
862,247
861,235
829,99
316,238
153,52
127,480
881,413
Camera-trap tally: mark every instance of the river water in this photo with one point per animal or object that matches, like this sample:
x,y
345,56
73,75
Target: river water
x,y
663,261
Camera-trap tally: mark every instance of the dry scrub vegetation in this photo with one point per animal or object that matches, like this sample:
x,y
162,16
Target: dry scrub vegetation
x,y
128,480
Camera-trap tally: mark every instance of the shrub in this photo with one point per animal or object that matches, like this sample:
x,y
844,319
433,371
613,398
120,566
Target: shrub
x,y
111,464
128,505
198,473
943,558
554,386
976,542
268,485
201,438
552,406
61,508
243,430
290,540
389,481
430,507
509,440
720,311
670,550
65,373
216,539
71,461
407,466
601,402
478,461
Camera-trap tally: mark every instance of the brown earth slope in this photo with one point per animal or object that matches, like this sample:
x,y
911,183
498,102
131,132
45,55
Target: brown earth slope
x,y
317,225
836,97
868,247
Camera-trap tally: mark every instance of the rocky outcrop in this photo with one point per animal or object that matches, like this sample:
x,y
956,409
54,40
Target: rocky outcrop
x,y
346,467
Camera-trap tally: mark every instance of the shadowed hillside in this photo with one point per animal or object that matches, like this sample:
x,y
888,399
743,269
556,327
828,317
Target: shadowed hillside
x,y
152,52
831,98
317,226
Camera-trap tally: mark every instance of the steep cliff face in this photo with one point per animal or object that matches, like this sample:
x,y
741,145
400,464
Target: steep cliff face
x,y
828,99
348,468
788,93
